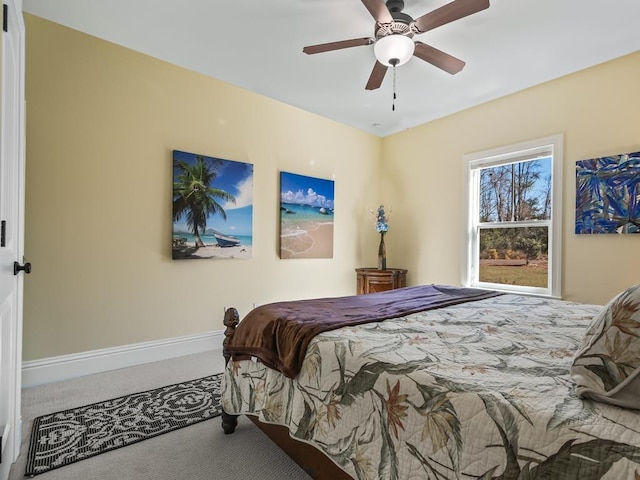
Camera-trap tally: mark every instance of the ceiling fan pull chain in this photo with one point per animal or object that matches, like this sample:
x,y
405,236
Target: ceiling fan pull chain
x,y
393,105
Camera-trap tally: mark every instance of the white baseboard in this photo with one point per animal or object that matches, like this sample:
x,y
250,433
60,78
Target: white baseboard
x,y
53,369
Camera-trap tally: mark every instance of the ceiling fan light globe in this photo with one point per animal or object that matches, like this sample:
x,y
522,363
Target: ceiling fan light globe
x,y
394,50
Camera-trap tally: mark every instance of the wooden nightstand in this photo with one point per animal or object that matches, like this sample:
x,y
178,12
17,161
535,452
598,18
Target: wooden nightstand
x,y
371,280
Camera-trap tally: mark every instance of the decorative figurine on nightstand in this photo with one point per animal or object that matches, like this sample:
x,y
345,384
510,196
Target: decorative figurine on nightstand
x,y
382,227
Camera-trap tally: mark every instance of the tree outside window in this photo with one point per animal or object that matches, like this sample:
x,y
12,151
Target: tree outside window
x,y
512,217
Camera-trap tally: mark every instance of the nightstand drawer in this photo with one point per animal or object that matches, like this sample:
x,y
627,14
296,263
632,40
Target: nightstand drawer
x,y
371,280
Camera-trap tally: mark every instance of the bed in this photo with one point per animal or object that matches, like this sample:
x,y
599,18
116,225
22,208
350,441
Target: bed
x,y
472,385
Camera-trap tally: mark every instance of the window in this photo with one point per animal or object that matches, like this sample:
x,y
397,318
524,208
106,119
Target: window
x,y
513,235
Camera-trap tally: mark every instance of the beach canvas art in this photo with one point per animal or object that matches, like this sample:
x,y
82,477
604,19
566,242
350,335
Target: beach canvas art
x,y
306,216
212,207
608,194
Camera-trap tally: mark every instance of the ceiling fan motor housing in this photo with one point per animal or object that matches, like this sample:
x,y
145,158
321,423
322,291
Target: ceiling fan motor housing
x,y
401,24
395,28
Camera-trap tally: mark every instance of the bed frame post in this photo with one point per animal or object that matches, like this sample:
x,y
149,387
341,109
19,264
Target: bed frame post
x,y
231,320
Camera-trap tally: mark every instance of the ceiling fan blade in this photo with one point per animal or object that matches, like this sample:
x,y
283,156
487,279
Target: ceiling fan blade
x,y
448,13
376,77
378,10
327,47
438,58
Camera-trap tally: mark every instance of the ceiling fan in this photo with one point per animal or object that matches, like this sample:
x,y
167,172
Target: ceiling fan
x,y
394,32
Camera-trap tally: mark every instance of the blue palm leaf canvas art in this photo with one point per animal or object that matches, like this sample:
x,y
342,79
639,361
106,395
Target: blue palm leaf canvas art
x,y
608,194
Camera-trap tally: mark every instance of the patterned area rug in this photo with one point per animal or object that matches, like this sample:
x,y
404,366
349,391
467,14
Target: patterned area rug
x,y
66,437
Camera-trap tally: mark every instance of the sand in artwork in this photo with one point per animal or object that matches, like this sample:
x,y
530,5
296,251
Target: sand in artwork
x,y
311,240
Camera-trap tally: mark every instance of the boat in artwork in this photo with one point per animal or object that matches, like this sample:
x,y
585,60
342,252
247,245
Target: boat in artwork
x,y
226,240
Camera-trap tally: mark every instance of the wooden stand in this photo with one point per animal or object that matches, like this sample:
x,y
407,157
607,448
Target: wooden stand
x,y
371,280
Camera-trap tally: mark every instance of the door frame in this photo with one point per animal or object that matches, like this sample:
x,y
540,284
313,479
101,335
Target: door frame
x,y
13,130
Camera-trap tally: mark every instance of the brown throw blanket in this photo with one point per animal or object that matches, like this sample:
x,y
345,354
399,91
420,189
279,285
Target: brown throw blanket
x,y
279,333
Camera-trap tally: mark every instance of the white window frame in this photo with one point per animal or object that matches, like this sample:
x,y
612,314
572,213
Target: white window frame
x,y
551,146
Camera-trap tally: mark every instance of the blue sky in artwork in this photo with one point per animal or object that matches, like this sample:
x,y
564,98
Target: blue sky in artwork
x,y
235,178
303,190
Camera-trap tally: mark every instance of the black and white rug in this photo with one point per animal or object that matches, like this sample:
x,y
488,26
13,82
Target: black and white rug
x,y
66,437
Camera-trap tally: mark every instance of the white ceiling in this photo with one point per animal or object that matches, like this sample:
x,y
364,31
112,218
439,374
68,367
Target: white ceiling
x,y
257,45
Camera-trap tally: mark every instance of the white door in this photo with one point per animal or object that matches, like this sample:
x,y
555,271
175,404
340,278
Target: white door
x,y
11,230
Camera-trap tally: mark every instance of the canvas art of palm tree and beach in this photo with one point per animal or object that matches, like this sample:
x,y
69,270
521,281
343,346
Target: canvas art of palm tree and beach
x,y
212,207
306,216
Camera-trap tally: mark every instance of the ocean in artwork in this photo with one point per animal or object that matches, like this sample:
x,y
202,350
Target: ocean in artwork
x,y
296,219
245,240
306,217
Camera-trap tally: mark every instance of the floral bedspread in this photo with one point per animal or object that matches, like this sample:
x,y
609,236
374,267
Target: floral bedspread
x,y
479,390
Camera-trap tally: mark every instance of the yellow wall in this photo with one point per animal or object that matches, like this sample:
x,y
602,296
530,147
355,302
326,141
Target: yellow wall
x,y
594,109
102,122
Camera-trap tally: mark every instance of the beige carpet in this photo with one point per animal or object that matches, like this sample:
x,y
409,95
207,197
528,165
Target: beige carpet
x,y
201,451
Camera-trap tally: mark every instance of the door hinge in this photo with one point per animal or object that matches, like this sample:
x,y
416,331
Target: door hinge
x,y
3,233
5,22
